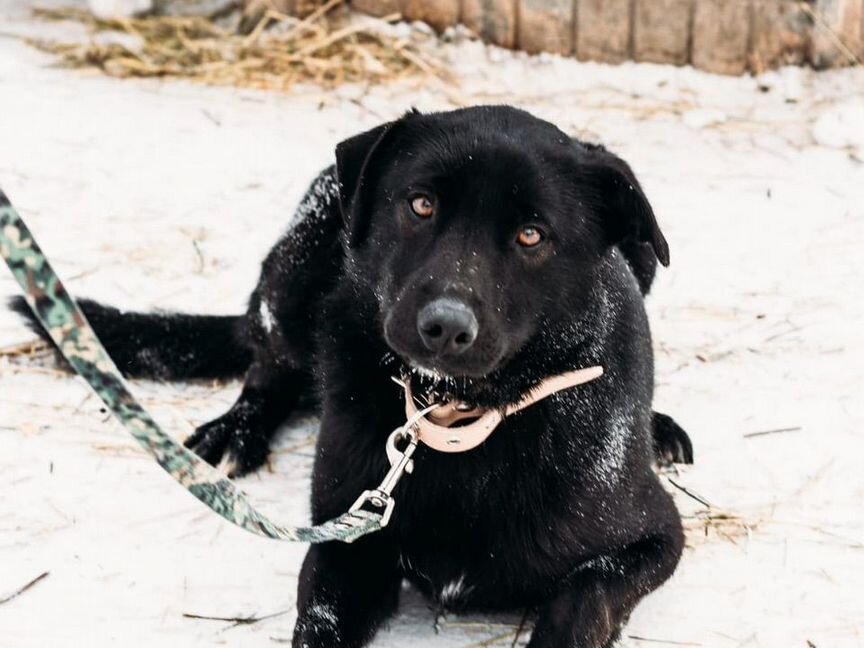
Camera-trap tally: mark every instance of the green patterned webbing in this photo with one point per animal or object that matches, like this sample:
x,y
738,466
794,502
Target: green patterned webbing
x,y
77,342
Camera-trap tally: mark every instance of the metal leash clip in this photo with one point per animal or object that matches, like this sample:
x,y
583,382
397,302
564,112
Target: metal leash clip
x,y
400,463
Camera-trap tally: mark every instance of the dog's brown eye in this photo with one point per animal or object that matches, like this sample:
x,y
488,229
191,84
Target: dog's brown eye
x,y
529,236
422,206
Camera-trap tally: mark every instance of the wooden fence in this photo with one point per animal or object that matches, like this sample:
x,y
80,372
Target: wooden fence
x,y
724,36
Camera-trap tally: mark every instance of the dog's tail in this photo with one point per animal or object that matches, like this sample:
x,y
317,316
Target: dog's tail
x,y
162,346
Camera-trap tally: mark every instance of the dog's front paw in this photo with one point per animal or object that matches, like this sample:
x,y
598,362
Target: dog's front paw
x,y
234,437
317,628
671,443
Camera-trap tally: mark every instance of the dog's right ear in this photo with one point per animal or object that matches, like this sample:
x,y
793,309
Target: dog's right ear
x,y
357,161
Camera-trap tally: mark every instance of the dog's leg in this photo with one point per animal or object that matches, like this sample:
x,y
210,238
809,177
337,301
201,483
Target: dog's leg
x,y
597,600
242,435
279,330
671,442
345,592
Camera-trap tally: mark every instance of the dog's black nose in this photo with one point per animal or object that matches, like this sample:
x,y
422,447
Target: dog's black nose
x,y
447,326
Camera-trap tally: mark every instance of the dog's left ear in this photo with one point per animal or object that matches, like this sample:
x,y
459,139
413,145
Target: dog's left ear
x,y
358,161
625,210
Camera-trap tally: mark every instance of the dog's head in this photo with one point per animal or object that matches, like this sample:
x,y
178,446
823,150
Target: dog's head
x,y
476,228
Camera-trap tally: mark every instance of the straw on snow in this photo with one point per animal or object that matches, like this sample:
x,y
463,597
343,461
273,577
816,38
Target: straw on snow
x,y
326,48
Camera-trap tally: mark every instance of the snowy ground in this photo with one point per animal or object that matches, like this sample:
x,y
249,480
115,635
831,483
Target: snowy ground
x,y
149,194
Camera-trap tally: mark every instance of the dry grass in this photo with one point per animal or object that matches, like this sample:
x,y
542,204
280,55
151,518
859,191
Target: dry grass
x,y
706,522
34,354
327,48
30,349
704,525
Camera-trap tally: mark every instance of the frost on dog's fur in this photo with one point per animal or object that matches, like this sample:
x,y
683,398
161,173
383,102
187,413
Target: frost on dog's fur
x,y
320,621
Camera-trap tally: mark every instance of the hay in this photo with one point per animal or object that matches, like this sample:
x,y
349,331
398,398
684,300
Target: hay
x,y
703,525
706,522
328,48
28,350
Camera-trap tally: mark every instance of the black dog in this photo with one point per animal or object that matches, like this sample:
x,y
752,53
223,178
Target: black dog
x,y
476,252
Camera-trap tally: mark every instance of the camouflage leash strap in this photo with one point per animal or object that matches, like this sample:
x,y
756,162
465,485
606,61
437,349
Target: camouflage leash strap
x,y
75,338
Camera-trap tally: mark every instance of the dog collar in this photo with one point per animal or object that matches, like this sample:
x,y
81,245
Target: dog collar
x,y
436,428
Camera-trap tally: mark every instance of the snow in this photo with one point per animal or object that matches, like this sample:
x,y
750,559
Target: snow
x,y
700,118
154,194
119,8
842,125
611,460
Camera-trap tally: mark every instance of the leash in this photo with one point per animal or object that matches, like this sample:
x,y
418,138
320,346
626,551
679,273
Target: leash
x,y
68,328
77,342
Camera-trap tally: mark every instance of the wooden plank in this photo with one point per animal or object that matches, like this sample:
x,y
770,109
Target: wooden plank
x,y
377,7
780,34
837,34
545,26
721,34
492,20
603,32
438,14
661,31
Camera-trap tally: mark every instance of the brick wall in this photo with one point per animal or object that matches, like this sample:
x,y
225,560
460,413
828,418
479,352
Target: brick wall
x,y
724,36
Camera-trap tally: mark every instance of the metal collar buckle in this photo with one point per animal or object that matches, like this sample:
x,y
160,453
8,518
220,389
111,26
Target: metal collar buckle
x,y
400,463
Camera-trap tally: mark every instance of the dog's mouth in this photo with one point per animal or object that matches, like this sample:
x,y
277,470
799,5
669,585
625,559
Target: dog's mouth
x,y
427,373
447,369
429,383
